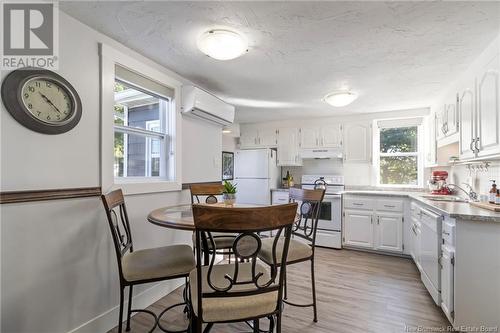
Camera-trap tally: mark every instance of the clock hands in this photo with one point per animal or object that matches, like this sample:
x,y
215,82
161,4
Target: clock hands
x,y
49,101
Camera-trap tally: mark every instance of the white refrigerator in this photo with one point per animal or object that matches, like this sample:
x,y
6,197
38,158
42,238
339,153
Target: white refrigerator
x,y
256,172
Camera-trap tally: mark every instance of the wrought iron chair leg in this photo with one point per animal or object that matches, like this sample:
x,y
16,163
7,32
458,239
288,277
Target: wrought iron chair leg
x,y
271,324
313,281
256,326
285,287
278,323
208,328
129,312
120,316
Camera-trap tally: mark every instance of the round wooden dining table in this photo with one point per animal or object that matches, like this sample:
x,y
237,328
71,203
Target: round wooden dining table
x,y
180,217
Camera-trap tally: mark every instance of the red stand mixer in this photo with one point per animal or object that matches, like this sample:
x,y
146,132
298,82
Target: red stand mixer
x,y
437,183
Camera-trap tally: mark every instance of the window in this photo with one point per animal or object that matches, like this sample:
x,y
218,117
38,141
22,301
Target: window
x,y
399,153
140,124
140,132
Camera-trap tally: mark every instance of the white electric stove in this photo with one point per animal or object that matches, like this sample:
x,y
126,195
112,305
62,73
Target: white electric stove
x,y
329,232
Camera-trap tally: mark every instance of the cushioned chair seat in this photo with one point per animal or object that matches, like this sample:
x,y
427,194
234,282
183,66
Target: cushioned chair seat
x,y
221,242
216,309
297,250
158,262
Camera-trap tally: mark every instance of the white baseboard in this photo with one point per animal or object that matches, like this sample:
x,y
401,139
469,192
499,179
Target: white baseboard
x,y
109,319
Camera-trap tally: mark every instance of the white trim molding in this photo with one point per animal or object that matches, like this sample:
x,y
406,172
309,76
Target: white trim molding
x,y
109,57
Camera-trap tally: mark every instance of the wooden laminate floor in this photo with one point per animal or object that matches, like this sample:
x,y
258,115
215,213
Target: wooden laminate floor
x,y
356,291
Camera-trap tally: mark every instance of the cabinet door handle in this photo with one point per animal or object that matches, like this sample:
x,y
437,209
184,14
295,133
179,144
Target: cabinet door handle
x,y
378,219
476,145
471,145
446,233
371,219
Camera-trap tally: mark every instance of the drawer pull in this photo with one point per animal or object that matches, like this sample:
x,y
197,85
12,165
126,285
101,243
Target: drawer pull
x,y
389,206
357,204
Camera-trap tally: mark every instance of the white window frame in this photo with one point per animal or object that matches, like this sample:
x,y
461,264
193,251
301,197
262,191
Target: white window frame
x,y
419,154
148,151
109,58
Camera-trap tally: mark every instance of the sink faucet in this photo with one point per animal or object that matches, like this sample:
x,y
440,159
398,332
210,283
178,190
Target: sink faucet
x,y
470,194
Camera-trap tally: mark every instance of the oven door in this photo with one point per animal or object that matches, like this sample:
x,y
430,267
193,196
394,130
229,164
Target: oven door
x,y
330,214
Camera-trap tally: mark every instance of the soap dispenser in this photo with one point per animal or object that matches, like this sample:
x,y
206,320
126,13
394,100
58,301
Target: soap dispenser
x,y
493,192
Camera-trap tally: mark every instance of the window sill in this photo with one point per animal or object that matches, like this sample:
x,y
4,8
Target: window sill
x,y
143,186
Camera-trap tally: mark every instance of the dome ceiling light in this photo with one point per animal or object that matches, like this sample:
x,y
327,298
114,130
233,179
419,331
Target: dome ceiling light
x,y
340,98
222,44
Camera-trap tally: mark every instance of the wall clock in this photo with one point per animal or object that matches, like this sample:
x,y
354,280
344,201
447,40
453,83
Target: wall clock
x,y
41,100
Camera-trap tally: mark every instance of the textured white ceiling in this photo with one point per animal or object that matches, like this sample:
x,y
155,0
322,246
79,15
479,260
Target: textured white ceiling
x,y
396,55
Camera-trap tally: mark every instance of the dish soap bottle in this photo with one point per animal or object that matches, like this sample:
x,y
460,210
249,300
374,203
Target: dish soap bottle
x,y
493,193
497,199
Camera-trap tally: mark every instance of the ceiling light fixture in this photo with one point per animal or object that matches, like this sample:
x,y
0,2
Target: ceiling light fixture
x,y
226,131
340,98
222,44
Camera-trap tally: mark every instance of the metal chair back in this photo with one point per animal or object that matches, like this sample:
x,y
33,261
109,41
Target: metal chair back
x,y
247,222
310,201
116,212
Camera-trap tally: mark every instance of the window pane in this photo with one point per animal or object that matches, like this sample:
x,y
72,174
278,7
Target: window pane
x,y
135,108
399,139
137,155
119,154
399,170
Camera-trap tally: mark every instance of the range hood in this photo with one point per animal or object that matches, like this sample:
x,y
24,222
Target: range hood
x,y
321,153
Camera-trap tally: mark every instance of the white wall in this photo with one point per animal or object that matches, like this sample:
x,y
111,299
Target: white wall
x,y
229,143
58,267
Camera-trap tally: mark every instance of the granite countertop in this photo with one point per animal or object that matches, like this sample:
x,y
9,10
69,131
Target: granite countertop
x,y
458,210
280,189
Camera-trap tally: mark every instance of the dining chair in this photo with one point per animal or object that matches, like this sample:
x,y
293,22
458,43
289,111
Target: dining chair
x,y
142,266
223,243
245,290
305,227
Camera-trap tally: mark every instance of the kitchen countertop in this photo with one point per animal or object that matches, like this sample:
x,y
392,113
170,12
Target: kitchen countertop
x,y
457,210
280,189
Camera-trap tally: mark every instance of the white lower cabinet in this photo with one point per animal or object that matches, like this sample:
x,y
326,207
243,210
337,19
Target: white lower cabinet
x,y
279,197
374,223
447,279
358,229
389,232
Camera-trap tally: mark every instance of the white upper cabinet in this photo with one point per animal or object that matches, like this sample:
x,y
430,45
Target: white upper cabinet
x,y
357,142
288,147
479,109
249,138
430,140
328,136
451,116
331,136
466,109
488,95
309,137
255,137
268,137
447,118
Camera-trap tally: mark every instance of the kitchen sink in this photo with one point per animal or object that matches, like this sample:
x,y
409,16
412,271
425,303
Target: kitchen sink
x,y
446,198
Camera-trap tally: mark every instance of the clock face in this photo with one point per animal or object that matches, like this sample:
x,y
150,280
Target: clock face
x,y
47,100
